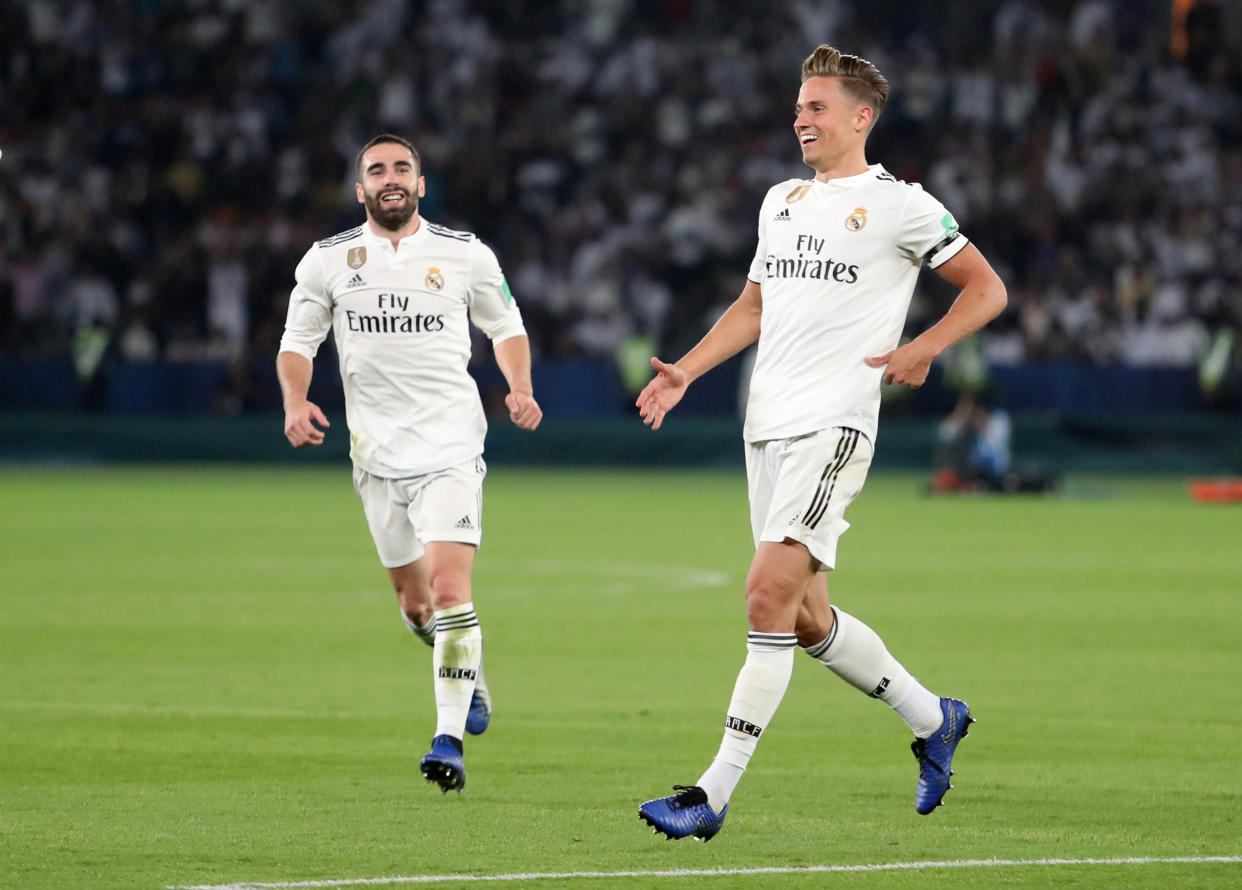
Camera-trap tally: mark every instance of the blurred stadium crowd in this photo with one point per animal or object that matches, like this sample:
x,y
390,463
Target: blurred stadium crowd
x,y
165,164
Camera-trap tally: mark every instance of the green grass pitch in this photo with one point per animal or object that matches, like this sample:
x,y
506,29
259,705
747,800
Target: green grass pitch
x,y
204,679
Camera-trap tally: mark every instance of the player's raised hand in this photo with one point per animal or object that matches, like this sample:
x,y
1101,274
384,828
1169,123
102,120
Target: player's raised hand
x,y
662,394
523,410
907,364
300,420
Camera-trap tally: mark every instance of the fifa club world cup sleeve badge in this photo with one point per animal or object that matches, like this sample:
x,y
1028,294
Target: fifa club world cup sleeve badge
x,y
857,219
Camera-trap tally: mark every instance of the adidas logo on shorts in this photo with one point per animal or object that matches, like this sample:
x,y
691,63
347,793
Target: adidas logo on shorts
x,y
356,281
464,522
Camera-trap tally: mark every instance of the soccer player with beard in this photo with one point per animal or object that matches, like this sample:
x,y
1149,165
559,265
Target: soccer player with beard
x,y
399,293
826,300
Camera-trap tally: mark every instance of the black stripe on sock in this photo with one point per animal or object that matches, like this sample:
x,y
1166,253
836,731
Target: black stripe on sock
x,y
771,641
823,645
457,622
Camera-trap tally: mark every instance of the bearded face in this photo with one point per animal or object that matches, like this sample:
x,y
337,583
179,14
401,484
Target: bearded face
x,y
389,185
391,206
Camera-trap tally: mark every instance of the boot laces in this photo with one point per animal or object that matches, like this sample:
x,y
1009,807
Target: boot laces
x,y
689,796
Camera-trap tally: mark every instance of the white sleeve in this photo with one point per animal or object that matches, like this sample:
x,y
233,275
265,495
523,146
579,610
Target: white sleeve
x,y
929,231
492,307
310,310
759,264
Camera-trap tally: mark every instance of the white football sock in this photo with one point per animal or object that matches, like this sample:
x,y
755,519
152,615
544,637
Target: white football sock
x,y
480,685
425,632
455,661
760,686
856,654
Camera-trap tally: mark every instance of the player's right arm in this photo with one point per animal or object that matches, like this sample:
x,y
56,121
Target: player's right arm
x,y
733,332
301,414
306,325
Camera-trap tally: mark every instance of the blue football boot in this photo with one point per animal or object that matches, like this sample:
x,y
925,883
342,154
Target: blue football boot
x,y
935,754
480,713
683,814
444,764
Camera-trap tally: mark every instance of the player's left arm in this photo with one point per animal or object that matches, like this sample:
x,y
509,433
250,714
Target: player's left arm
x,y
494,311
982,297
513,357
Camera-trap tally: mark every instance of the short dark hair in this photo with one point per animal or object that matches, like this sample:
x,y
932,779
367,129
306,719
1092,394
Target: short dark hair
x,y
380,140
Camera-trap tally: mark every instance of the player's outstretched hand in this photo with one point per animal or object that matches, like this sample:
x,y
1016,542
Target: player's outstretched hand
x,y
662,394
523,410
907,364
300,429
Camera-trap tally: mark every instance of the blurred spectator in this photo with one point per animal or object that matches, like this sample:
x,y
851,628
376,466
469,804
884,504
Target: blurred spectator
x,y
200,141
975,451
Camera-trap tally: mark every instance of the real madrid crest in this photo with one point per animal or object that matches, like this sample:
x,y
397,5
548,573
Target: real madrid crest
x,y
356,257
857,219
434,279
797,194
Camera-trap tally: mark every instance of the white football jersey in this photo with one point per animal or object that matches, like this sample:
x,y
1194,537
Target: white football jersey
x,y
837,262
401,321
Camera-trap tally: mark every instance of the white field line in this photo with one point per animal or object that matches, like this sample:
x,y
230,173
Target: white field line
x,y
707,873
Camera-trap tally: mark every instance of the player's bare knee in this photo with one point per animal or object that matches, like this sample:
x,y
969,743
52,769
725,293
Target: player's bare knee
x,y
812,627
414,599
768,606
418,612
449,589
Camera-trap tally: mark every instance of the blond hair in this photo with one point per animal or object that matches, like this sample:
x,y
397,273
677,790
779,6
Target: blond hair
x,y
859,78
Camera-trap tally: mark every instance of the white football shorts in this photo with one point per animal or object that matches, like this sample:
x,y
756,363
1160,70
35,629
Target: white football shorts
x,y
799,488
404,515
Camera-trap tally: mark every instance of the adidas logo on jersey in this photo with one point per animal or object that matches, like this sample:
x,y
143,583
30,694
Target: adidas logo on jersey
x,y
464,522
784,214
356,281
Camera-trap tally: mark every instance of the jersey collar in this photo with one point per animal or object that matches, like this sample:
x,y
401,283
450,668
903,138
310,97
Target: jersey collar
x,y
849,182
384,241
